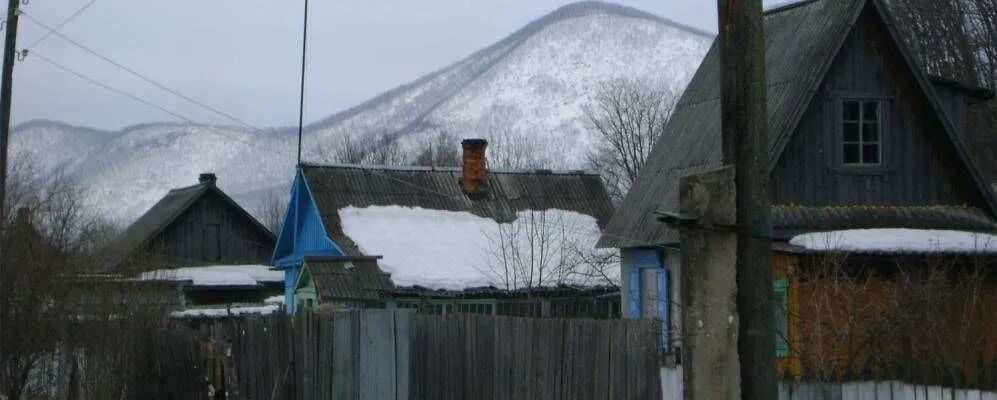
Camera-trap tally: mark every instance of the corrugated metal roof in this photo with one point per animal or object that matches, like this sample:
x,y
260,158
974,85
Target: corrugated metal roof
x,y
801,41
339,186
358,279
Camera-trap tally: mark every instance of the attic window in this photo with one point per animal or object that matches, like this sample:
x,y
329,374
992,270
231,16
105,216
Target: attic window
x,y
861,132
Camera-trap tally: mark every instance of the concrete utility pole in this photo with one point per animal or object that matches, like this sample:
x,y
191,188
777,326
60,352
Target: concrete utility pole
x,y
745,144
7,80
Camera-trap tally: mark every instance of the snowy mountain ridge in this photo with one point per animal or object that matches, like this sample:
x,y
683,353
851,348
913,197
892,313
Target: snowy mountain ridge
x,y
530,88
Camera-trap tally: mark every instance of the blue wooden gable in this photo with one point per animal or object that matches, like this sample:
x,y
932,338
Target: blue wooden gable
x,y
302,235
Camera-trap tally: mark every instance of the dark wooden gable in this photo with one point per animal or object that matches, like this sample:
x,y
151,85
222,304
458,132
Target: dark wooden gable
x,y
919,163
212,231
195,225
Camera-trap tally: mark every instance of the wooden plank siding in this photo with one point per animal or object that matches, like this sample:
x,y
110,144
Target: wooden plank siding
x,y
919,164
186,240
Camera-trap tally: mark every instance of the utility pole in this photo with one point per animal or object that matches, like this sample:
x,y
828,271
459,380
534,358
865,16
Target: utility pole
x,y
9,54
745,144
301,93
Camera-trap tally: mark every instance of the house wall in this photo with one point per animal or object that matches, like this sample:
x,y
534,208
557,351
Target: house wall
x,y
856,318
190,239
649,294
919,163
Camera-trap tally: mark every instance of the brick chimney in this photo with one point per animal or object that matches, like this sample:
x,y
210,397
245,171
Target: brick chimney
x,y
208,178
474,177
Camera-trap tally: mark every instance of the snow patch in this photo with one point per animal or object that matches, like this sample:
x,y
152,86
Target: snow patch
x,y
225,312
898,241
458,250
217,275
274,300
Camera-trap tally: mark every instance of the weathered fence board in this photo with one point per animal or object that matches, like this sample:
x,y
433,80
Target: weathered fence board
x,y
396,354
520,358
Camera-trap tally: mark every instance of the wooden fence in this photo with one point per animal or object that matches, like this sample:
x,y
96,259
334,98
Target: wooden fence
x,y
393,354
480,357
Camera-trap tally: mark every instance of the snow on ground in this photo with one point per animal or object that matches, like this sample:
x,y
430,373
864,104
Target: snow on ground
x,y
898,241
274,300
457,250
218,275
225,312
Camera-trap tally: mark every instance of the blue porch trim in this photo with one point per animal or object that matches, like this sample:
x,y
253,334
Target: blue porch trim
x,y
302,235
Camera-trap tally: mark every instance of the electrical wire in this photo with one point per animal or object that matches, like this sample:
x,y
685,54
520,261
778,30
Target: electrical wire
x,y
60,25
130,95
107,87
135,73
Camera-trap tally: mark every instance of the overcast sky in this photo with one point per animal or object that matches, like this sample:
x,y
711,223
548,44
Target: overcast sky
x,y
242,56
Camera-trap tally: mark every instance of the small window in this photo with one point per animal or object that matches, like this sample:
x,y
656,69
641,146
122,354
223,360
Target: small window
x,y
861,132
781,299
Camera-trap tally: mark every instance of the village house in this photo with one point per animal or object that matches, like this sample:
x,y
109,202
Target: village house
x,y
199,240
442,238
864,144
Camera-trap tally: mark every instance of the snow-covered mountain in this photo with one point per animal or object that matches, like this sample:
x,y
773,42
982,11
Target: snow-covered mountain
x,y
531,87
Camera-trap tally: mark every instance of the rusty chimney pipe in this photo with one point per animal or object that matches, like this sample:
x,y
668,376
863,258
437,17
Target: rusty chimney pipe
x,y
474,177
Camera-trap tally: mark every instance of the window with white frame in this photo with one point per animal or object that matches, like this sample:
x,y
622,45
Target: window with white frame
x,y
861,132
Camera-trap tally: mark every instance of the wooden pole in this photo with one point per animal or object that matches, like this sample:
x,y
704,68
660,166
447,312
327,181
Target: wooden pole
x,y
6,81
745,144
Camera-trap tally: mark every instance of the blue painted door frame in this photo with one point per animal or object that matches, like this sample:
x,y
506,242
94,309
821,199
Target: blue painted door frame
x,y
650,259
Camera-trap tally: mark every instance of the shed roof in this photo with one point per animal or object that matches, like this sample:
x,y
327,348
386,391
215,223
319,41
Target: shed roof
x,y
161,215
801,42
348,278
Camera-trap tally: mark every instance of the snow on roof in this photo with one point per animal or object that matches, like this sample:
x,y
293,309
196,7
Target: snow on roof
x,y
274,300
898,241
217,275
456,250
225,312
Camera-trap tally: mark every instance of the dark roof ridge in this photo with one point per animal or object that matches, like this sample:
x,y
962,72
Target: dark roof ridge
x,y
185,188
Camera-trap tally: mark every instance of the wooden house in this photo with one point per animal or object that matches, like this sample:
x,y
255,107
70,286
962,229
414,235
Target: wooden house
x,y
190,226
428,225
860,138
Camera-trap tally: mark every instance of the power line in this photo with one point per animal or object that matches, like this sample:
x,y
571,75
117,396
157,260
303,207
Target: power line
x,y
136,74
60,25
108,87
131,96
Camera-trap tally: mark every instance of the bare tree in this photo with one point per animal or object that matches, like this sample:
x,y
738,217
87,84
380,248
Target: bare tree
x,y
628,118
51,240
547,248
272,212
440,150
370,149
956,39
926,319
